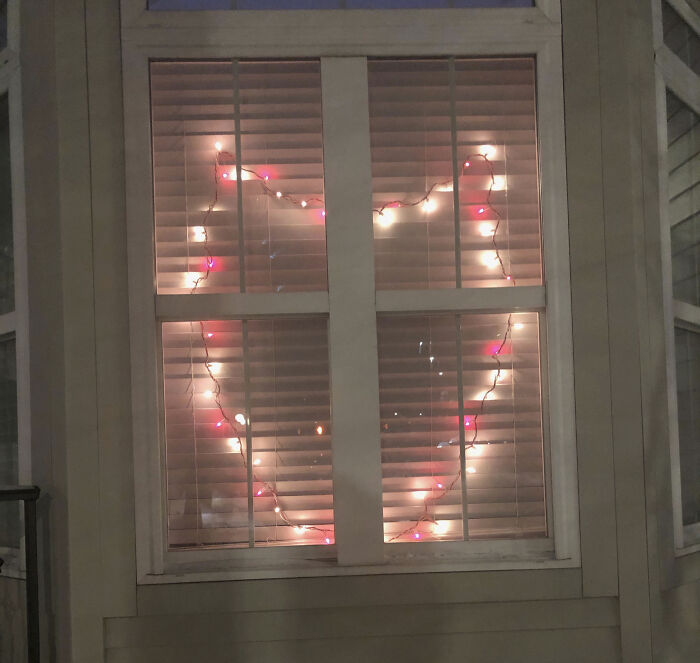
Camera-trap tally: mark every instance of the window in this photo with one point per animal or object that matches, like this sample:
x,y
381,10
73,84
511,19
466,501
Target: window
x,y
679,86
353,355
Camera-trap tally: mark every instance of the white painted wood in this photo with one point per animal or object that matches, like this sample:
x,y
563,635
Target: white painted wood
x,y
148,480
352,329
679,78
7,322
218,306
551,9
562,413
686,312
522,298
687,13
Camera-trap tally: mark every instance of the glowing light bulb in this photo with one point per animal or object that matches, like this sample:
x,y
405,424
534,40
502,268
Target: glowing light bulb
x,y
192,279
499,183
429,205
467,164
486,230
256,461
240,418
224,175
279,194
208,393
416,535
432,358
199,234
277,509
471,470
386,217
319,430
441,527
487,150
235,444
327,541
518,325
299,529
508,278
323,212
210,262
497,376
210,335
260,492
218,146
481,210
486,395
439,485
219,424
490,259
266,178
214,367
440,373
418,494
304,203
475,450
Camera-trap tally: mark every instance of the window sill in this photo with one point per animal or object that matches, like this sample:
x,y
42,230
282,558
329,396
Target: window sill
x,y
400,559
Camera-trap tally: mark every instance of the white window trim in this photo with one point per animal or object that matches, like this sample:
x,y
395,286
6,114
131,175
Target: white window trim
x,y
674,75
17,321
356,34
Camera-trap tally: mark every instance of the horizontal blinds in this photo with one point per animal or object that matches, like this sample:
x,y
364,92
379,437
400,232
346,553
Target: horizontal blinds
x,y
482,115
688,385
502,494
684,198
278,243
277,490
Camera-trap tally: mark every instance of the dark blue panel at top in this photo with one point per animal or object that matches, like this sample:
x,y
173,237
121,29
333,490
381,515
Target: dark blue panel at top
x,y
185,5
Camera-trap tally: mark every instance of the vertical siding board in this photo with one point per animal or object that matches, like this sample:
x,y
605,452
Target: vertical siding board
x,y
589,293
111,309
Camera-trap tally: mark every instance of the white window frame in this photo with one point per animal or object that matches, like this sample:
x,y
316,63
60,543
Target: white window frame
x,y
342,39
17,322
673,74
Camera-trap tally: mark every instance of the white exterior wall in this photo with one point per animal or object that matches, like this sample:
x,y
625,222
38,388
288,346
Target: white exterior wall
x,y
630,597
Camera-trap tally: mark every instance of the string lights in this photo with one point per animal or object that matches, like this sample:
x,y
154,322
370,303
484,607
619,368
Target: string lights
x,y
385,217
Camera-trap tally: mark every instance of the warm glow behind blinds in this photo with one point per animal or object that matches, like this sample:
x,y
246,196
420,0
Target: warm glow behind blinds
x,y
276,109
422,117
274,374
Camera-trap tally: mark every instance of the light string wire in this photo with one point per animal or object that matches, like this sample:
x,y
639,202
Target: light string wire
x,y
270,488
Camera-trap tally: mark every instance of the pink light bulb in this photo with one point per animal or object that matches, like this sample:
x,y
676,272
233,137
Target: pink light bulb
x,y
224,175
508,278
327,540
416,535
259,493
219,424
481,210
210,335
467,164
440,485
267,177
323,212
210,262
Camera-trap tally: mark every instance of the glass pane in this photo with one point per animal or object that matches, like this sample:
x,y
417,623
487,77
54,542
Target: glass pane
x,y
7,266
495,148
684,198
197,202
680,37
9,511
501,494
155,5
688,385
3,24
273,374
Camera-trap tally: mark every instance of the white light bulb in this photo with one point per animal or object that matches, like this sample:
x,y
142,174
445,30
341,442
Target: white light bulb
x,y
486,230
499,183
386,217
471,470
418,494
218,146
279,194
240,418
304,203
518,325
192,279
488,151
214,367
199,234
277,509
490,259
432,358
429,205
441,527
208,393
256,461
486,395
235,444
475,450
498,376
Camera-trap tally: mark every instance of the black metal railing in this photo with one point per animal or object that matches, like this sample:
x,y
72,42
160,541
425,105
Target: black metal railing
x,y
28,495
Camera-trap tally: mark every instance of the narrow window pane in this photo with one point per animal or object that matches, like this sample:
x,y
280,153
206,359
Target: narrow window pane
x,y
7,268
172,5
688,385
219,375
680,37
502,494
3,24
9,511
492,137
684,198
199,244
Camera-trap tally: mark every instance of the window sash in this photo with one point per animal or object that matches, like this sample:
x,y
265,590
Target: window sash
x,y
147,311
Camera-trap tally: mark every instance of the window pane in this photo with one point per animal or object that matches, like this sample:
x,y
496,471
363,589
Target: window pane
x,y
501,494
688,385
9,511
7,267
273,373
3,24
155,5
283,243
680,37
684,198
495,147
